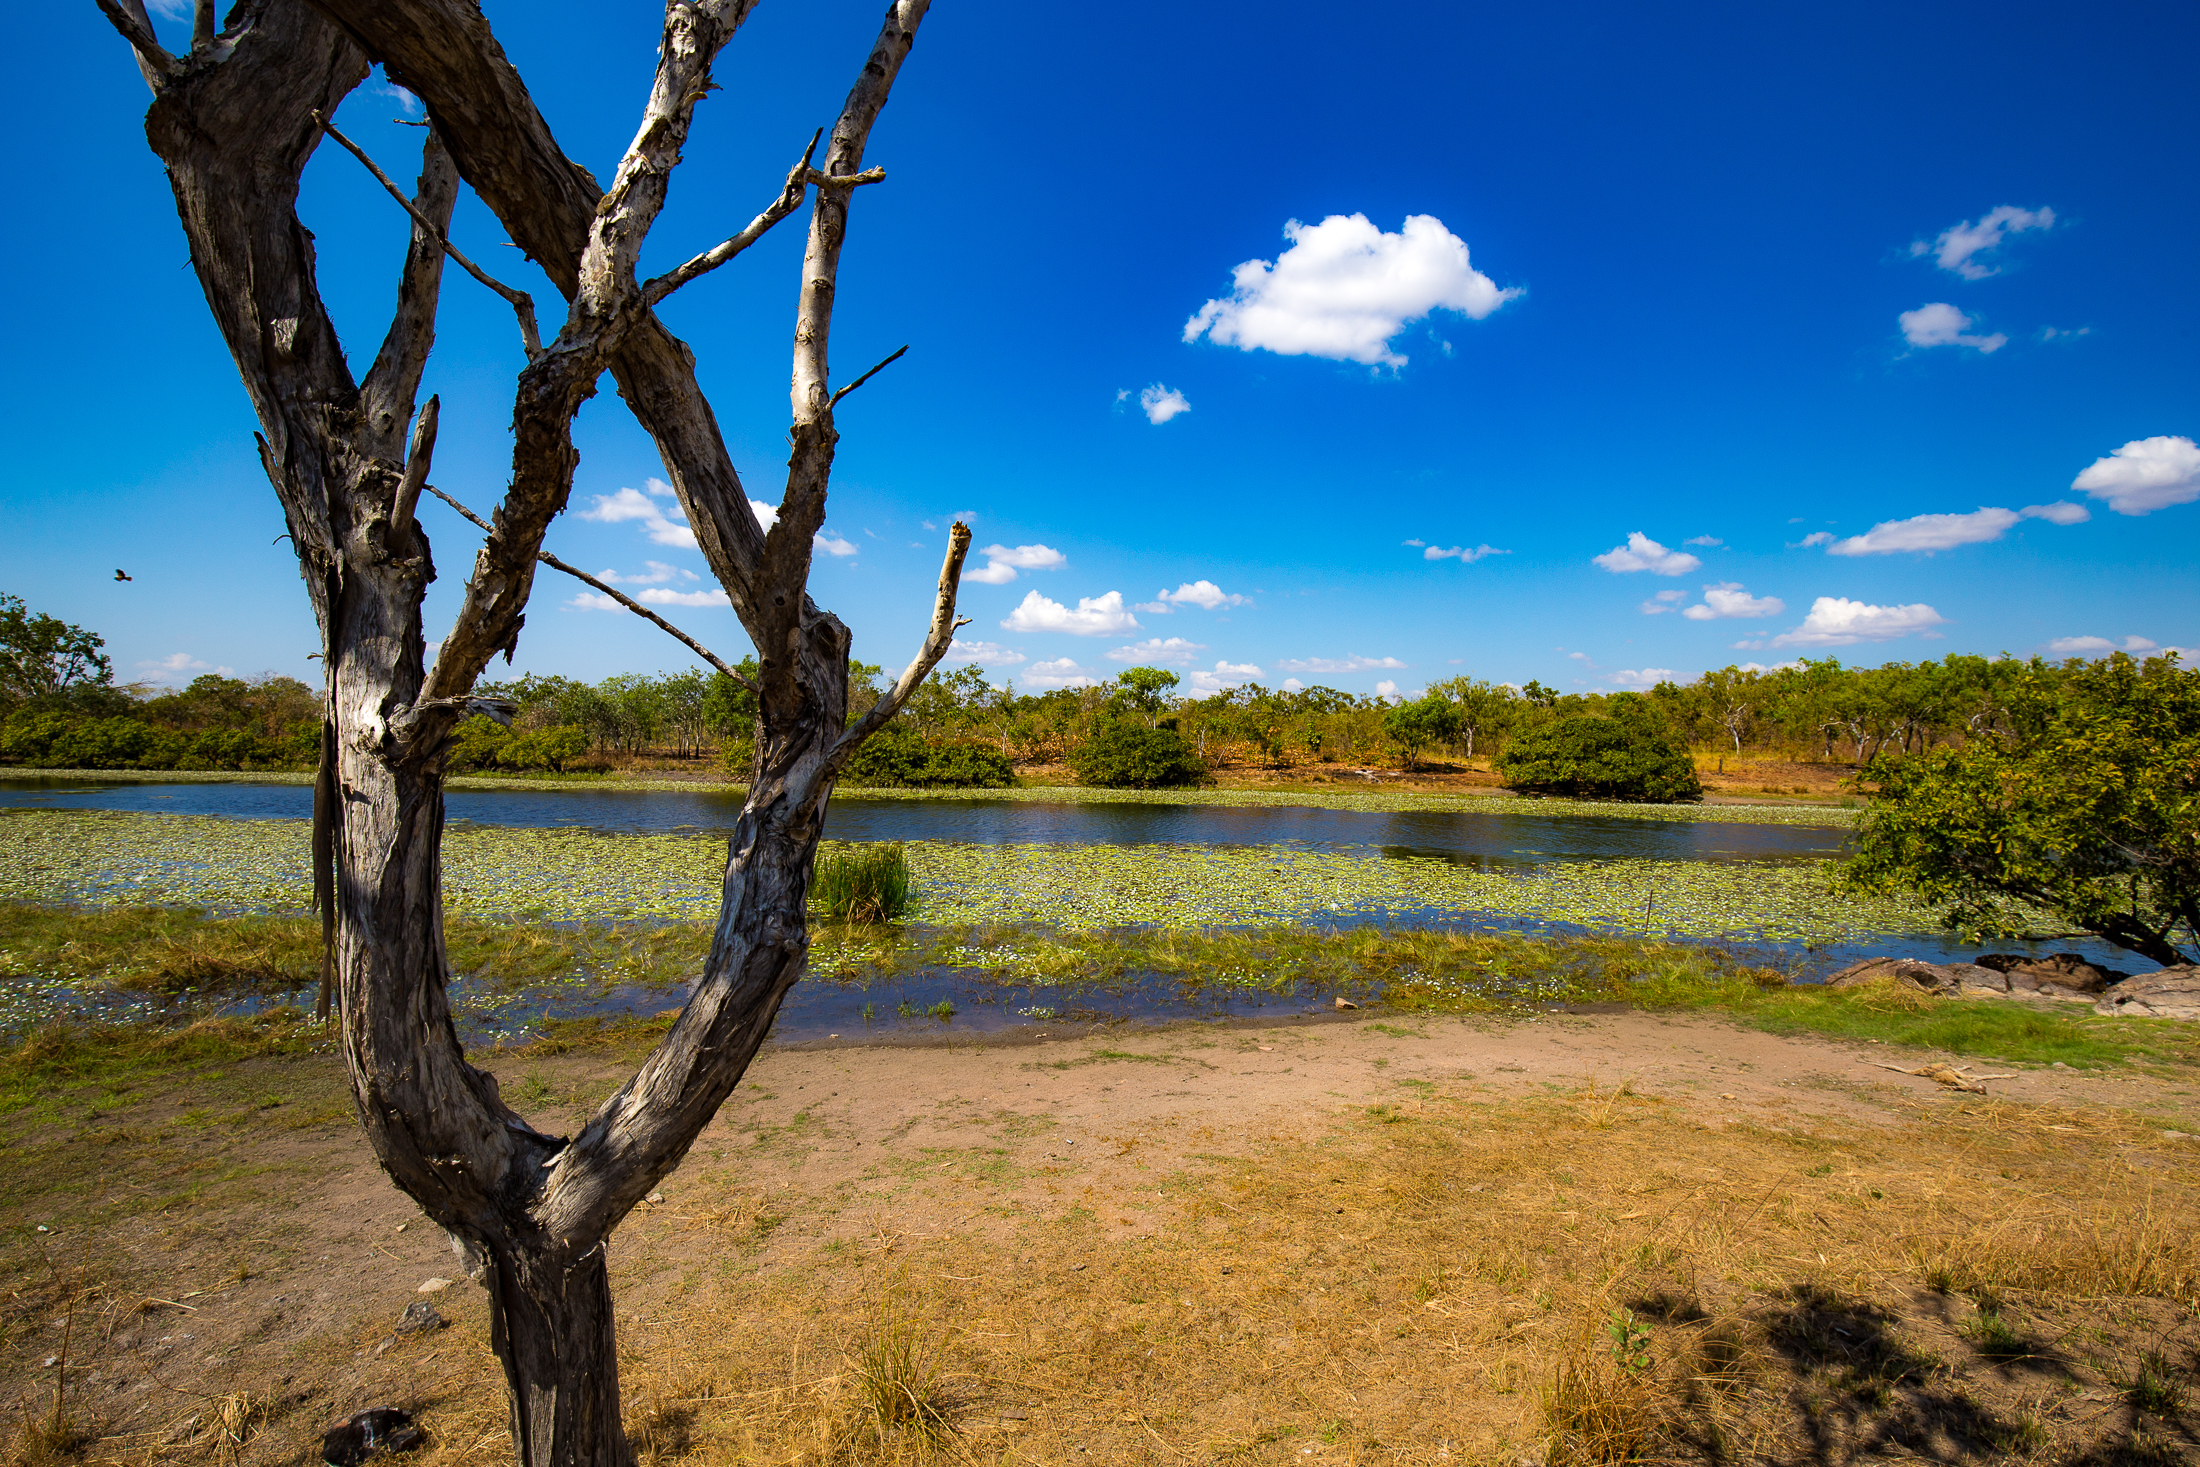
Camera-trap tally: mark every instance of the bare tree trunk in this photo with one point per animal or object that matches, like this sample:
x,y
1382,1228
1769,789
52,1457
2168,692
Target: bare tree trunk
x,y
235,121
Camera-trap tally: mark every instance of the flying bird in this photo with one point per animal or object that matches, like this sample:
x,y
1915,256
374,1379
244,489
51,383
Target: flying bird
x,y
122,575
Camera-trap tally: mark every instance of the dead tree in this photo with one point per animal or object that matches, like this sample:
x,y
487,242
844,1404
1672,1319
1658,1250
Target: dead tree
x,y
235,120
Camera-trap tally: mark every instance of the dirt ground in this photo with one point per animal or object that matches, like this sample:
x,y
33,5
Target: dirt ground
x,y
1574,1238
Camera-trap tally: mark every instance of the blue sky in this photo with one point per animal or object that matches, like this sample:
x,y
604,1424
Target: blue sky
x,y
1686,316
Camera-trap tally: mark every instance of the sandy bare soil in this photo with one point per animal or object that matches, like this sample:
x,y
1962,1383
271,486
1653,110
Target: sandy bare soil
x,y
1044,1211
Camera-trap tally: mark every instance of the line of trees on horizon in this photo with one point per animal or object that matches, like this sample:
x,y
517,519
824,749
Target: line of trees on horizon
x,y
60,708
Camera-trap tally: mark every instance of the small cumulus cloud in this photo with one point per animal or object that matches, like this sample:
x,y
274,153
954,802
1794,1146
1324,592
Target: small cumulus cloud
x,y
2144,475
663,523
833,544
1959,246
1939,324
1836,621
1293,685
1641,553
1159,652
1664,601
1641,677
1709,542
1386,689
1344,288
660,596
1460,554
1332,665
1930,532
2080,646
1061,672
1226,675
1162,403
1204,594
1728,599
994,652
1003,561
1095,616
180,667
2060,333
1815,537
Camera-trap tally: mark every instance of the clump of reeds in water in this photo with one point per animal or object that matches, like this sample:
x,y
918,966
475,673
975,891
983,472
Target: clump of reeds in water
x,y
867,884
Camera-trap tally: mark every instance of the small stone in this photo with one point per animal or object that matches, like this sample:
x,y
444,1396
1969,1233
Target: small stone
x,y
433,1286
2059,1065
402,1226
2177,1135
420,1317
368,1434
654,1198
1345,1003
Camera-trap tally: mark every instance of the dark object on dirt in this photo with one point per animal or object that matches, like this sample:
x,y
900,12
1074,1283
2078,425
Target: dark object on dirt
x,y
372,1432
2064,970
420,1318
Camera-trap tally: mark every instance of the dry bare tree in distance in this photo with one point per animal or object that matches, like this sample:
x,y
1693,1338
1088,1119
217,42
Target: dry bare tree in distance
x,y
235,119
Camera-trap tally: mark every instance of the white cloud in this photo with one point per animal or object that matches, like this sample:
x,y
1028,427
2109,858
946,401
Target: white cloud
x,y
631,504
1225,675
1162,403
1728,599
1641,553
1062,672
1344,288
1354,663
1709,542
1463,556
1003,561
1776,667
659,596
595,601
1095,616
1647,677
180,667
2073,646
2144,475
993,652
1386,689
1159,651
1836,621
1203,594
2063,333
1293,685
1664,601
1815,537
1940,324
1929,532
1959,245
1416,544
833,544
658,574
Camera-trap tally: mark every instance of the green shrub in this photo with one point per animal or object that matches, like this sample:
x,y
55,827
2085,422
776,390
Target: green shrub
x,y
865,884
476,743
64,740
544,748
1127,755
900,758
1601,758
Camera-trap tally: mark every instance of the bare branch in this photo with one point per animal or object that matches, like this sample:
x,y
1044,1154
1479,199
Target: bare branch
x,y
416,471
523,305
867,376
614,593
393,383
153,58
790,198
844,182
202,24
936,642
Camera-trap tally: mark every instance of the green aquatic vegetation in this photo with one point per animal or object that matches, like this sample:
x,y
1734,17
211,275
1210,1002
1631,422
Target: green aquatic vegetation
x,y
569,875
861,884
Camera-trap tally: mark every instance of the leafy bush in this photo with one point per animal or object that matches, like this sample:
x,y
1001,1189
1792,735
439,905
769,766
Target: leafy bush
x,y
1414,726
1127,755
896,758
867,884
52,740
1629,758
477,742
544,748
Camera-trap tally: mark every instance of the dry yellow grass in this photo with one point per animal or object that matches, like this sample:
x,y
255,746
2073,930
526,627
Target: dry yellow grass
x,y
1585,1276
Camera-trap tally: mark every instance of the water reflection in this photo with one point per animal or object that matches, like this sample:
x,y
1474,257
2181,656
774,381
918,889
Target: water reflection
x,y
1475,837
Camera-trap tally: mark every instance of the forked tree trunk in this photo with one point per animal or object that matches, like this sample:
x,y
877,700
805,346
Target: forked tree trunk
x,y
235,121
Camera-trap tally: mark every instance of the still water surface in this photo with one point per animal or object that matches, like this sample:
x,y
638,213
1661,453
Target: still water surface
x,y
1478,836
